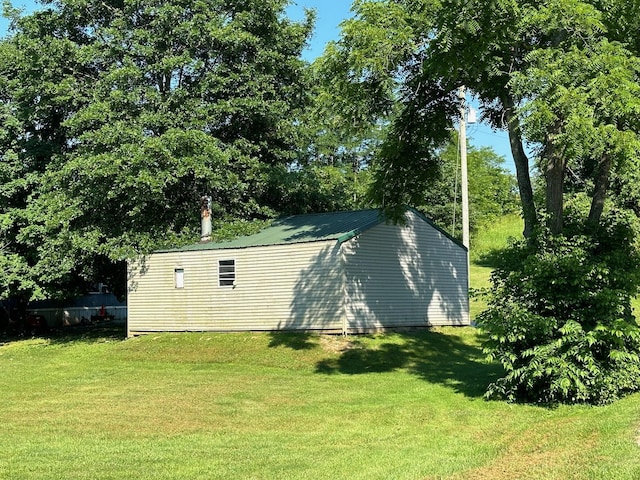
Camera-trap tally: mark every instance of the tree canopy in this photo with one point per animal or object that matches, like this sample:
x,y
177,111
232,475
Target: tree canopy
x,y
119,115
561,76
553,74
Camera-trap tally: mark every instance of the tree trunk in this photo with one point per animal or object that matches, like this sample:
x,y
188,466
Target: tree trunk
x,y
600,191
522,169
554,171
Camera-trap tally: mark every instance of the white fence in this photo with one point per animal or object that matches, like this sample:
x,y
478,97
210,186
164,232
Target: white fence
x,y
64,316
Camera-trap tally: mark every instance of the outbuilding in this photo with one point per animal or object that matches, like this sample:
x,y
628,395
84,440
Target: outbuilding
x,y
343,272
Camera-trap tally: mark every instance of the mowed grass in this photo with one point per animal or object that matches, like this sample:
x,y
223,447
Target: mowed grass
x,y
91,404
289,406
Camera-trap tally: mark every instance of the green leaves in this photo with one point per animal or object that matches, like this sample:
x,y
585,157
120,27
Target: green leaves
x,y
559,74
120,116
559,316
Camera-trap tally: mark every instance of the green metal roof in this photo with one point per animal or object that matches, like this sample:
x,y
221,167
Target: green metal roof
x,y
340,226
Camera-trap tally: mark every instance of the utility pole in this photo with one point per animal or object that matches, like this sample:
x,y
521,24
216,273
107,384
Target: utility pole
x,y
462,134
462,138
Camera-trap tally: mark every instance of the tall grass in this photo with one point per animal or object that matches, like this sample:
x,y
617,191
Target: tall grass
x,y
494,237
487,242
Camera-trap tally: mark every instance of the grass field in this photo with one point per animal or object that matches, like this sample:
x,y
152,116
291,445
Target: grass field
x,y
89,404
484,245
264,406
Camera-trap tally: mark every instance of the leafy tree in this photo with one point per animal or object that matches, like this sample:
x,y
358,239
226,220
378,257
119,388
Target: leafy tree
x,y
322,188
492,189
559,317
418,53
351,129
583,111
334,135
123,114
563,76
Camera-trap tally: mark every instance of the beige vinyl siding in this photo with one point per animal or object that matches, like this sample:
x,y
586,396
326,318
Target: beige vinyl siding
x,y
412,275
276,287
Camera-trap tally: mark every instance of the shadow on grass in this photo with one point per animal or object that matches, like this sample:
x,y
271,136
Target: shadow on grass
x,y
491,258
293,340
360,359
435,357
98,333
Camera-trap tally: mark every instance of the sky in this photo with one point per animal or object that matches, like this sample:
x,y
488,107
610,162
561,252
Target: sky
x,y
329,15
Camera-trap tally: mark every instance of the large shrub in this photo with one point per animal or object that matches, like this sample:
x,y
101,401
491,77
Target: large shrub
x,y
560,319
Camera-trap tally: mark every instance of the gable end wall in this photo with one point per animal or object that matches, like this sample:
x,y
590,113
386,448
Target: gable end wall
x,y
405,276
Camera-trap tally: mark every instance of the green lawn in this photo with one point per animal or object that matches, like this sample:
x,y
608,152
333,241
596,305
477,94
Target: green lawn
x,y
92,405
489,240
485,244
265,406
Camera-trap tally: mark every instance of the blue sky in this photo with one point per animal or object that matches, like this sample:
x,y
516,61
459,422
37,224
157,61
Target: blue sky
x,y
329,14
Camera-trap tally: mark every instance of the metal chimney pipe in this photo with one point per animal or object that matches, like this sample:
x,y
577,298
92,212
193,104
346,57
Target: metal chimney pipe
x,y
205,216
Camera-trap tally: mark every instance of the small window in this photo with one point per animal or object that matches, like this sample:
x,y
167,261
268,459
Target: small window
x,y
179,275
226,273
